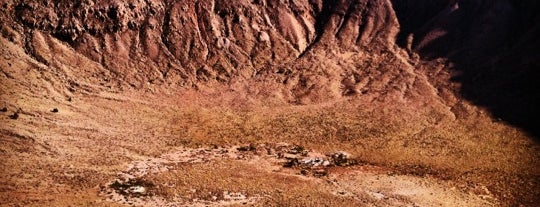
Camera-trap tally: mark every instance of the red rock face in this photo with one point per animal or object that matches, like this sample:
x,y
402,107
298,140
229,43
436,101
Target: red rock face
x,y
308,51
99,83
202,40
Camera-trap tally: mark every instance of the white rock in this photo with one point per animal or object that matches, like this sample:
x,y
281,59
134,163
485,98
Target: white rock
x,y
137,189
377,195
326,163
264,37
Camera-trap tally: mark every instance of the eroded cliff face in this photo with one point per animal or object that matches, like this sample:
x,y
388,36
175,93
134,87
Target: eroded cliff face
x,y
298,51
187,43
101,83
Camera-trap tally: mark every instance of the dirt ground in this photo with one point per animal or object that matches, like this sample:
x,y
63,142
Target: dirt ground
x,y
116,149
108,119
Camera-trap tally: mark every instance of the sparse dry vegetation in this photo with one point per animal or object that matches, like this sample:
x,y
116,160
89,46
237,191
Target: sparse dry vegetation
x,y
156,103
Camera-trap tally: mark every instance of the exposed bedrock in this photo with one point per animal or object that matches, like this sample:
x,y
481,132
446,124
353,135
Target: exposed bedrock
x,y
303,51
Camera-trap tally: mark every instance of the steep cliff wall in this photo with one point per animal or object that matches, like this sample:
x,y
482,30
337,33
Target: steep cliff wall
x,y
301,51
187,43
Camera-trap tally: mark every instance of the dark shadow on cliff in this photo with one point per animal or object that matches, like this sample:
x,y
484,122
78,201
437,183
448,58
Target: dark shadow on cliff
x,y
494,48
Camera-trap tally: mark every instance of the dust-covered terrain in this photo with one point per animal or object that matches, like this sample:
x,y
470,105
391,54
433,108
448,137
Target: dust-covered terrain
x,y
269,103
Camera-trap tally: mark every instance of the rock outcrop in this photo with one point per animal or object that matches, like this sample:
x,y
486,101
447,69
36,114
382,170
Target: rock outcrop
x,y
299,51
189,42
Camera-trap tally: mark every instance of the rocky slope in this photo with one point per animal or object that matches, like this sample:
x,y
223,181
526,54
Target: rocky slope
x,y
492,45
403,84
319,49
191,42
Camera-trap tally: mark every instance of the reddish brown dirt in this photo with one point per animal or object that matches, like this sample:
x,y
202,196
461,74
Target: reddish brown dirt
x,y
434,100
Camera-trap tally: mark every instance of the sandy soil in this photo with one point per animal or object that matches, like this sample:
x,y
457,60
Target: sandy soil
x,y
110,149
268,103
336,174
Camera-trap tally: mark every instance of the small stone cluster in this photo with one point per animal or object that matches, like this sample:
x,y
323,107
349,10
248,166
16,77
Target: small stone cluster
x,y
297,157
131,188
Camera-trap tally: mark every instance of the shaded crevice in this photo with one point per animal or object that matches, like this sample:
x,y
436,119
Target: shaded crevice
x,y
351,8
202,34
413,16
30,50
322,18
320,22
363,22
166,30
